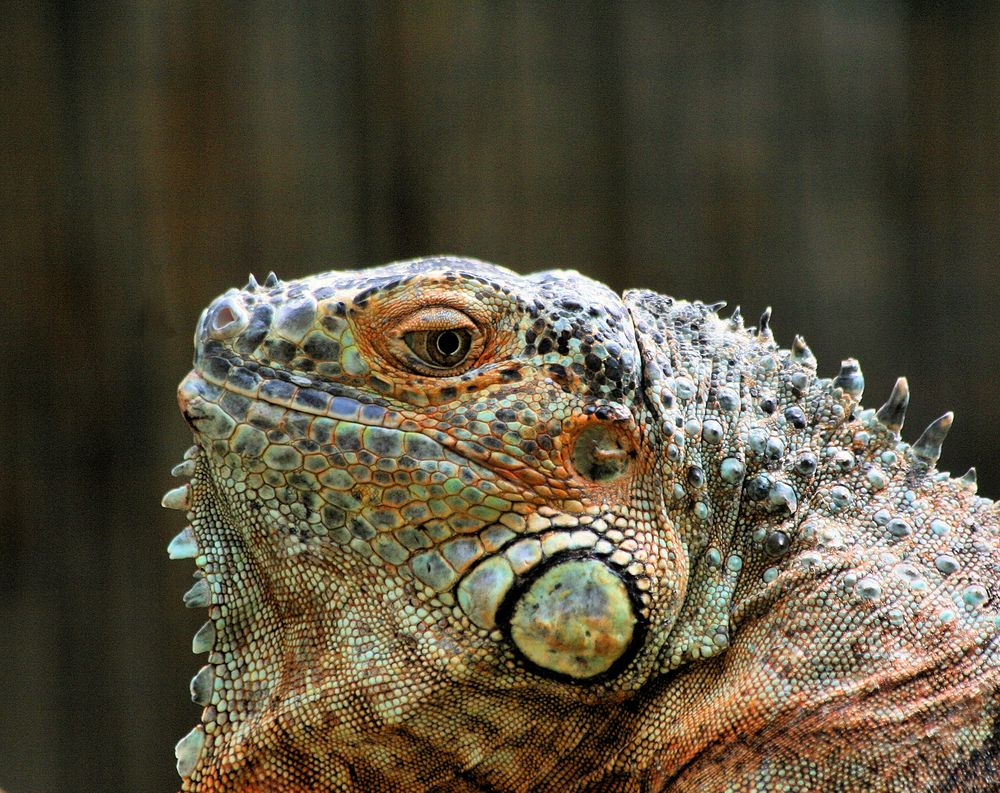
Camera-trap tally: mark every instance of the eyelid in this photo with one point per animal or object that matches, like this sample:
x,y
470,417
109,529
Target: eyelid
x,y
435,318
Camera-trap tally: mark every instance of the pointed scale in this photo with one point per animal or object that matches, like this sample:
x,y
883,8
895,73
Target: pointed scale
x,y
199,596
201,685
893,412
183,546
764,325
188,750
801,352
185,469
178,498
850,379
927,449
204,639
969,481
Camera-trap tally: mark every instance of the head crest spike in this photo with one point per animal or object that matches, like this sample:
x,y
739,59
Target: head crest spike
x,y
893,412
764,325
801,351
736,319
272,280
716,307
252,284
927,449
969,481
850,378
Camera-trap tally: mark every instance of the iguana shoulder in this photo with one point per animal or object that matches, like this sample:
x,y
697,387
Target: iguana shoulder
x,y
459,529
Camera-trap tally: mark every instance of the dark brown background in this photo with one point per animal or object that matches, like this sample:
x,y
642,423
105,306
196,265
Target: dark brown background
x,y
839,161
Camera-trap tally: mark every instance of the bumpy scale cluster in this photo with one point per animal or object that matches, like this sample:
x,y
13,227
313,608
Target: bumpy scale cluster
x,y
461,528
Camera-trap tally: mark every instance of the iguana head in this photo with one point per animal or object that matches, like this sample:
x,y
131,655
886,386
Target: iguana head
x,y
440,510
430,474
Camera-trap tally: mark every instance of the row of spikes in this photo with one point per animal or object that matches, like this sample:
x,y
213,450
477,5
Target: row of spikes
x,y
185,546
800,350
927,448
270,282
736,318
763,324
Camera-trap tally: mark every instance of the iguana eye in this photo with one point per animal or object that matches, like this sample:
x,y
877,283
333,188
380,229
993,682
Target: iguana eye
x,y
441,348
437,341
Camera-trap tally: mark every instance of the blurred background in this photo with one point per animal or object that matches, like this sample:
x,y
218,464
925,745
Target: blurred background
x,y
836,160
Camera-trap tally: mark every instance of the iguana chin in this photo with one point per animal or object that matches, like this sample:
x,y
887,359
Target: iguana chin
x,y
463,530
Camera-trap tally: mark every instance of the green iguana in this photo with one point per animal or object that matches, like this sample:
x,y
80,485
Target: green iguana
x,y
463,530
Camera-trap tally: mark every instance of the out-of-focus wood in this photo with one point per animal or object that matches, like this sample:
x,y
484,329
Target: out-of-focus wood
x,y
837,161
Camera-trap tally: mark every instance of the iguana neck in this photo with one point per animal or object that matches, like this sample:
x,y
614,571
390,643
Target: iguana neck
x,y
747,434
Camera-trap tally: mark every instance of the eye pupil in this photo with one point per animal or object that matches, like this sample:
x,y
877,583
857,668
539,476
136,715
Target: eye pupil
x,y
440,349
448,343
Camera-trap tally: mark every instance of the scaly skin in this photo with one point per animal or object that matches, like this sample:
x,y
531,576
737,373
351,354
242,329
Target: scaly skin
x,y
462,530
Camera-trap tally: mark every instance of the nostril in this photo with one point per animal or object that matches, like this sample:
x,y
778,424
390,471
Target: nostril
x,y
224,316
227,320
